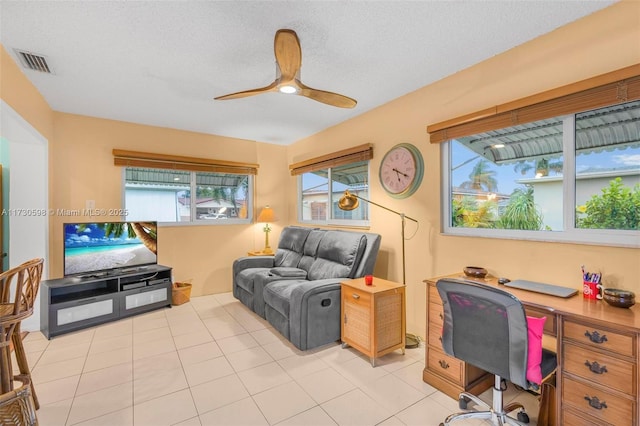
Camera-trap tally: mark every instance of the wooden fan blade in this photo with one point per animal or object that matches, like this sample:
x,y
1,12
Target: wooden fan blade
x,y
328,98
252,92
288,54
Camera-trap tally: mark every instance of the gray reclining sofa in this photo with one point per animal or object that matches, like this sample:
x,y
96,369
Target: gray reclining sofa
x,y
298,289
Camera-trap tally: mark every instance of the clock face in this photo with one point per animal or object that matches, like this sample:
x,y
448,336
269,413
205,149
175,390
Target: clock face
x,y
401,170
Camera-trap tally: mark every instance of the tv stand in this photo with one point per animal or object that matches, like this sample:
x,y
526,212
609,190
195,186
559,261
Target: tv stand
x,y
73,303
94,275
135,269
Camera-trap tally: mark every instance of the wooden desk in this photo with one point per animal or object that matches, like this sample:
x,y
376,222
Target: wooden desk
x,y
598,349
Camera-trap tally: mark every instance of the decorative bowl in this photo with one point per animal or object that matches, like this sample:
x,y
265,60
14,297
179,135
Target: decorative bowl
x,y
619,298
475,271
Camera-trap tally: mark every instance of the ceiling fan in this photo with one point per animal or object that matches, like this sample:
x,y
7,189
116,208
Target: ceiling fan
x,y
289,59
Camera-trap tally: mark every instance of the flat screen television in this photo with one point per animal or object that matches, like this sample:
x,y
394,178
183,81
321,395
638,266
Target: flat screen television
x,y
93,248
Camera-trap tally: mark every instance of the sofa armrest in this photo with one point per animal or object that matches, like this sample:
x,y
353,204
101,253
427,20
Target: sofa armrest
x,y
314,313
303,291
284,272
252,262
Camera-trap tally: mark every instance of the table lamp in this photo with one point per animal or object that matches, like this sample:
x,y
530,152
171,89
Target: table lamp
x,y
266,215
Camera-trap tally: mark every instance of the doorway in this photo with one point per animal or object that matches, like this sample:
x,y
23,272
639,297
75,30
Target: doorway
x,y
24,160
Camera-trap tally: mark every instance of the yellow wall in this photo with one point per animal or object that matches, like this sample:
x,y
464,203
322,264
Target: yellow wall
x,y
84,170
23,97
81,167
605,41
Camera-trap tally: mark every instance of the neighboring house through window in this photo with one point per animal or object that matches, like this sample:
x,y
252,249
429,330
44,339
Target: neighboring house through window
x,y
187,196
573,177
323,181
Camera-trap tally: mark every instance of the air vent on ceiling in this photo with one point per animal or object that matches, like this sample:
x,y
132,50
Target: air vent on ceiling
x,y
33,61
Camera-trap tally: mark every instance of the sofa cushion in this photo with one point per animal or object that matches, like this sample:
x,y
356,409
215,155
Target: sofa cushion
x,y
244,279
339,253
278,295
290,246
310,250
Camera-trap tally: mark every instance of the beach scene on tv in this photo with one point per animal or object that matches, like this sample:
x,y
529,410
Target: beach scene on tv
x,y
93,247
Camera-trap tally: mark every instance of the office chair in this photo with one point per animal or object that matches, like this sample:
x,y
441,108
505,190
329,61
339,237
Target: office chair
x,y
487,327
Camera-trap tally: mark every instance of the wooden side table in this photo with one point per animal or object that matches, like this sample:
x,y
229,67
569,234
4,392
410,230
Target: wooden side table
x,y
373,317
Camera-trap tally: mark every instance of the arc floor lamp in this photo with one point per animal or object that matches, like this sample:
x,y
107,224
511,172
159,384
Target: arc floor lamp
x,y
351,201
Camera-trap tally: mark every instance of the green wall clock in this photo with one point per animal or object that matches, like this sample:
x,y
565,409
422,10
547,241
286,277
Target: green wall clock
x,y
401,170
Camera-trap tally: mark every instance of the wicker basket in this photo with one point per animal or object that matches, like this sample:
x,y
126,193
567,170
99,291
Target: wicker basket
x,y
180,293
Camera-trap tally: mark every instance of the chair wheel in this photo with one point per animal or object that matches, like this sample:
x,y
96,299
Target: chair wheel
x,y
462,402
523,417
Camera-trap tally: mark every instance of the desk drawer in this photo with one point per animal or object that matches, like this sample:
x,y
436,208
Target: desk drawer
x,y
436,314
597,403
600,338
569,418
434,296
436,320
445,365
435,335
602,369
550,325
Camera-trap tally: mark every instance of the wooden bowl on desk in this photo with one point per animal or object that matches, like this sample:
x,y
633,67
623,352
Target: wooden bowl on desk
x,y
475,271
619,298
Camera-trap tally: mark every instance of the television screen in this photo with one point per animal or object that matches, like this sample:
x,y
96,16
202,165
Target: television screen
x,y
102,246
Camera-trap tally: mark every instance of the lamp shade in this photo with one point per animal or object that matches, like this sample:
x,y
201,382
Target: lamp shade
x,y
348,201
266,215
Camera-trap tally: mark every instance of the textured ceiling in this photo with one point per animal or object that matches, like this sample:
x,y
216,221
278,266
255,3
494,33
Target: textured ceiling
x,y
162,63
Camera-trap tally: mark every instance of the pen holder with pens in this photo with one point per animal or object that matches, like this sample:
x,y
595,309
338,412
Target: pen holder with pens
x,y
592,290
591,287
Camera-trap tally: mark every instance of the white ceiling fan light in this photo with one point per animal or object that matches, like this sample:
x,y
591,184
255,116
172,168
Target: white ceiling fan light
x,y
287,89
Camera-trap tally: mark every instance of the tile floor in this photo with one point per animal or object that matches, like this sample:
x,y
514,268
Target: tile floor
x,y
213,362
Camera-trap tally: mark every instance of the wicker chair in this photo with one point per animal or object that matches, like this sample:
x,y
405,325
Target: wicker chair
x,y
17,407
25,280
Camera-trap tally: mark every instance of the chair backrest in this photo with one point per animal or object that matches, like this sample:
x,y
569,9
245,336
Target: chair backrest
x,y
486,327
25,280
17,406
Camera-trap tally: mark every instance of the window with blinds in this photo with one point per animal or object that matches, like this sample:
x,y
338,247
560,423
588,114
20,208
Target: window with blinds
x,y
323,180
528,174
174,189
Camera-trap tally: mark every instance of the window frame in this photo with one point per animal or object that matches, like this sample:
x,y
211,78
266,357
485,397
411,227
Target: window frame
x,y
356,154
194,221
569,234
193,165
356,223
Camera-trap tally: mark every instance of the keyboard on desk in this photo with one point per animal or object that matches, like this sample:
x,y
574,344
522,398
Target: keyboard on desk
x,y
550,289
